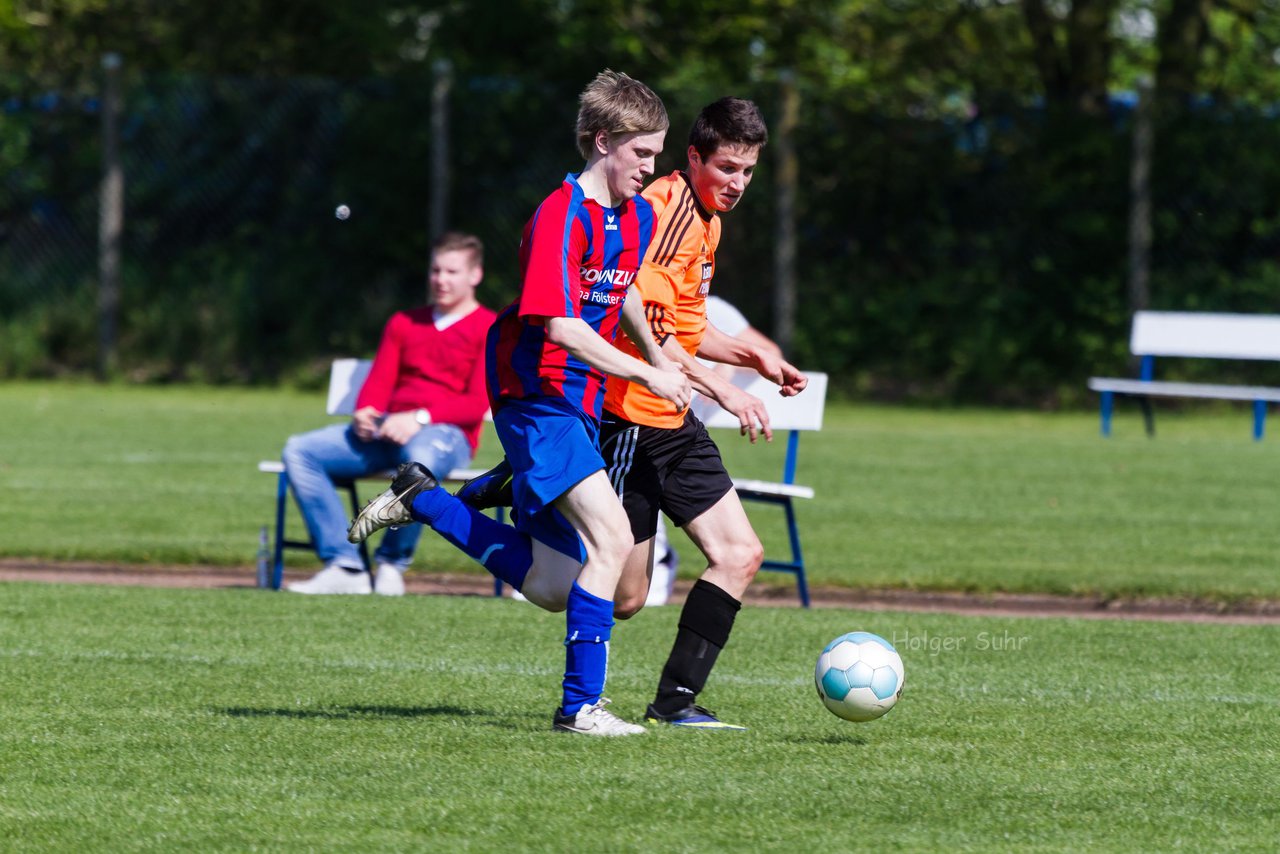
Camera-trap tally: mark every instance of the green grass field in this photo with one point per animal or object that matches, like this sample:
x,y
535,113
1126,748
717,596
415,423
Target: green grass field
x,y
234,720
143,719
964,500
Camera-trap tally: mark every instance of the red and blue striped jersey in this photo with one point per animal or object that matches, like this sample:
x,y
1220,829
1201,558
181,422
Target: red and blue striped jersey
x,y
577,259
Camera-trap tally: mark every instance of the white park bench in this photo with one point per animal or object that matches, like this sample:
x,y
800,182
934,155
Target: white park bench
x,y
788,415
1194,335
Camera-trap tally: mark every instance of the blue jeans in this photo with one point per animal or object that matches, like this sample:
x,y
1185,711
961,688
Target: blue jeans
x,y
315,460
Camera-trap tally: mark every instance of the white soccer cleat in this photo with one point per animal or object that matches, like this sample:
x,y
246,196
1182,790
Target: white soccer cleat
x,y
334,580
392,506
389,581
594,719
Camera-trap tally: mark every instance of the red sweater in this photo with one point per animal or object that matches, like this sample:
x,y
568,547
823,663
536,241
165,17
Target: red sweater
x,y
421,367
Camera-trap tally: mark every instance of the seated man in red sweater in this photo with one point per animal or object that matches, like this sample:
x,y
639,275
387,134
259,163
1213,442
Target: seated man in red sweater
x,y
424,401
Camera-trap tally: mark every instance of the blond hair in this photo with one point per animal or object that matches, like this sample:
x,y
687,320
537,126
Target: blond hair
x,y
616,103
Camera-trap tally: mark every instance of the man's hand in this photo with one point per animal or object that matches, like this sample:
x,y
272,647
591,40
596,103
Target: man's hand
x,y
750,411
399,427
365,422
667,381
793,382
768,365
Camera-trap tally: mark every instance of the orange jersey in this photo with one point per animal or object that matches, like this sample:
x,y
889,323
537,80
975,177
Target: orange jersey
x,y
673,281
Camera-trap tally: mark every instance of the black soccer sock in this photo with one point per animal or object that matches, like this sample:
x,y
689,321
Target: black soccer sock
x,y
705,623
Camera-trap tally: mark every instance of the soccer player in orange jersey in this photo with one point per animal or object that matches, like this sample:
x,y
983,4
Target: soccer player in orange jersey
x,y
664,461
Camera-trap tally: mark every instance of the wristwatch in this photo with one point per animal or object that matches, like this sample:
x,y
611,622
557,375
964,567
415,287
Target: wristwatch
x,y
422,416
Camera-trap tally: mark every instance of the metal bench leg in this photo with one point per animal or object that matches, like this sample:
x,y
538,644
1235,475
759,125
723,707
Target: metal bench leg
x,y
797,557
277,561
1104,411
1148,416
1259,419
500,513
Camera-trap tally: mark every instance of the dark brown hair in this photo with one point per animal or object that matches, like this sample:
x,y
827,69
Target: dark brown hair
x,y
729,121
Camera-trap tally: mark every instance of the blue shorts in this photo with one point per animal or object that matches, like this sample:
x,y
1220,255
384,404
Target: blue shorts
x,y
551,446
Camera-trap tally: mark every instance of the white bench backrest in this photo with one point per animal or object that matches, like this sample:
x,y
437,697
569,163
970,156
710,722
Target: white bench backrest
x,y
1210,336
802,412
346,377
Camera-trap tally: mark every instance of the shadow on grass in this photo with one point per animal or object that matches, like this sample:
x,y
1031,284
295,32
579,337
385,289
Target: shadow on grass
x,y
342,713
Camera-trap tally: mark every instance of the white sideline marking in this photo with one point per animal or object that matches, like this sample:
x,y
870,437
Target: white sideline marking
x,y
441,665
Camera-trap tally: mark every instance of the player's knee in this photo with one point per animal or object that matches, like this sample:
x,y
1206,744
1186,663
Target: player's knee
x,y
547,593
544,600
741,559
625,607
626,542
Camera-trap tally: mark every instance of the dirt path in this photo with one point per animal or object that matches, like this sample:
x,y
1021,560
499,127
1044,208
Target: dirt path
x,y
421,583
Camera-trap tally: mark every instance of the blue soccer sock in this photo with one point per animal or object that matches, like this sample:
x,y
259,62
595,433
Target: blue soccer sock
x,y
589,622
499,548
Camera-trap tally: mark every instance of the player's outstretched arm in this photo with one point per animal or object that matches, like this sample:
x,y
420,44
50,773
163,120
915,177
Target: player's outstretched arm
x,y
576,336
766,361
753,417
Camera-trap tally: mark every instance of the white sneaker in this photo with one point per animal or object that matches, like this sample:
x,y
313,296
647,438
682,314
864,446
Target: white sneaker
x,y
334,579
389,581
662,585
595,720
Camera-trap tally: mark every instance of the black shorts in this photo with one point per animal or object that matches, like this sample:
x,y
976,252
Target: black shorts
x,y
677,471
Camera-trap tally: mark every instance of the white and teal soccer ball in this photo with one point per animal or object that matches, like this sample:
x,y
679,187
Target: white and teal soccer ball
x,y
859,676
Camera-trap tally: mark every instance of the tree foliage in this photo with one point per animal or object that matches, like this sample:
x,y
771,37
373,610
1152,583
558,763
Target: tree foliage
x,y
964,167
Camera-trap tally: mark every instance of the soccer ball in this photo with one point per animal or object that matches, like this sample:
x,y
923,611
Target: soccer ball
x,y
859,676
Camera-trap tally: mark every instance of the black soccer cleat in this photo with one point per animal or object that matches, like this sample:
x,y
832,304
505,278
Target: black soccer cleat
x,y
694,717
491,489
393,507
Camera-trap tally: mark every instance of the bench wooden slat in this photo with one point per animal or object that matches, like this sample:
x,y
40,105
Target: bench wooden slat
x,y
1180,389
276,467
1205,335
764,487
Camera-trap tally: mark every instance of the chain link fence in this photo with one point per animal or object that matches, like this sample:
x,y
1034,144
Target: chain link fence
x,y
937,256
234,267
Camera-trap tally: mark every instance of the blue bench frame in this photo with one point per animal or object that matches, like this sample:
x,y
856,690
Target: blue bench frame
x,y
792,415
282,542
794,566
